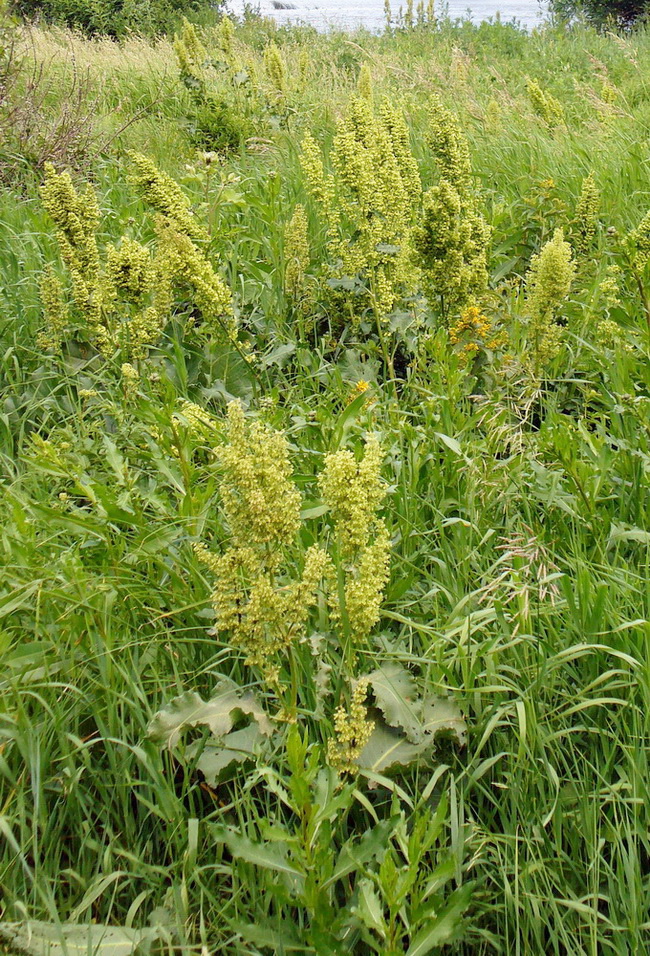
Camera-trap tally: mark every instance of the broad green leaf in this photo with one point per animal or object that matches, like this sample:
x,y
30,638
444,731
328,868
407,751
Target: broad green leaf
x,y
441,714
190,710
279,942
387,747
397,697
355,854
69,939
451,443
235,747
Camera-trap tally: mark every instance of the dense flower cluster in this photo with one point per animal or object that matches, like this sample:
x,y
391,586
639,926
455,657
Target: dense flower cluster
x,y
352,730
122,296
296,254
275,70
587,215
452,239
262,610
165,196
474,331
353,490
544,104
261,502
117,299
548,283
369,204
191,56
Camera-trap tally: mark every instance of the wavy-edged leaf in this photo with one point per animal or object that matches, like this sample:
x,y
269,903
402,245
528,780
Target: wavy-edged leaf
x,y
269,856
236,747
218,713
396,696
440,714
37,938
387,747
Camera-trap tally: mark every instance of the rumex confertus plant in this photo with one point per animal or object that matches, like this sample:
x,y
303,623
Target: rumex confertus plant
x,y
319,710
120,296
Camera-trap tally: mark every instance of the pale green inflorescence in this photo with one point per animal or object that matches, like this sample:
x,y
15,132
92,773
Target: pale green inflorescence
x,y
364,83
369,204
586,216
122,297
548,283
354,491
275,69
544,104
261,502
164,195
452,239
638,244
262,610
352,731
296,253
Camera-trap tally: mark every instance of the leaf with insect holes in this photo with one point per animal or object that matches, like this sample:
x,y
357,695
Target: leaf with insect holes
x,y
218,713
441,715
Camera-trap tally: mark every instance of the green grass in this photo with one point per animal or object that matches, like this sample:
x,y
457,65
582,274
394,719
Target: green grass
x,y
519,563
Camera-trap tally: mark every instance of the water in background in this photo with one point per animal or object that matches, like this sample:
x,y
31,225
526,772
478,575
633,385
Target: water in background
x,y
349,14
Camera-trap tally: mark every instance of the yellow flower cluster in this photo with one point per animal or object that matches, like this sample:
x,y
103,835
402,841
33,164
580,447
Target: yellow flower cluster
x,y
609,335
548,283
123,298
189,267
609,288
364,82
354,491
352,729
225,35
453,237
544,104
261,502
449,146
475,331
638,244
260,616
191,56
129,284
587,214
164,195
55,312
369,205
255,605
275,70
296,254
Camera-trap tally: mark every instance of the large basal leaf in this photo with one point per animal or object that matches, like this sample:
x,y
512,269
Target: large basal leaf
x,y
439,714
396,696
420,718
48,939
218,713
235,747
387,747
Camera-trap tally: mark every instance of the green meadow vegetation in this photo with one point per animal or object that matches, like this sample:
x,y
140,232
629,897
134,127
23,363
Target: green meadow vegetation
x,y
324,458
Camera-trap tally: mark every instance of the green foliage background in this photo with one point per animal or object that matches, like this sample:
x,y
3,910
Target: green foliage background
x,y
518,511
